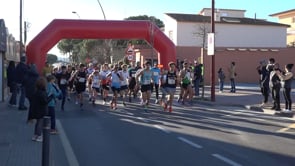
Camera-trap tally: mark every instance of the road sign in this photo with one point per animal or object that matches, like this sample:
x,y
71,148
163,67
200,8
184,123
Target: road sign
x,y
211,44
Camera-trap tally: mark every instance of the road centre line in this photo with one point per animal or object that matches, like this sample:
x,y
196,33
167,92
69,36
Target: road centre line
x,y
71,157
190,142
230,162
161,128
292,126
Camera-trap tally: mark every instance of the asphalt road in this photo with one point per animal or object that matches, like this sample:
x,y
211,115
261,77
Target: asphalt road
x,y
189,136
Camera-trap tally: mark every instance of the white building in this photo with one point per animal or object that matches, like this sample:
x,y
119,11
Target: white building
x,y
231,27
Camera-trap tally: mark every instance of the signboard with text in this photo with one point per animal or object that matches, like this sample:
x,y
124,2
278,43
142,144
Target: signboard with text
x,y
211,44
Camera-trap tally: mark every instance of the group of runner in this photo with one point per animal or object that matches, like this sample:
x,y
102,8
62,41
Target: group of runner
x,y
127,81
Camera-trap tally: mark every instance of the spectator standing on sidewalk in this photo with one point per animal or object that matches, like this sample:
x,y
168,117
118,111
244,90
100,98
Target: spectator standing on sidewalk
x,y
263,81
21,70
30,84
197,77
11,82
40,107
275,86
286,79
221,78
232,76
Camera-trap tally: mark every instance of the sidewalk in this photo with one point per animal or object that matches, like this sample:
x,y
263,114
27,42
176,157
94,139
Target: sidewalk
x,y
17,149
16,146
247,96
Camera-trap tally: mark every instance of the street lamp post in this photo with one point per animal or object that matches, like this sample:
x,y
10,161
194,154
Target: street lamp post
x,y
74,12
104,16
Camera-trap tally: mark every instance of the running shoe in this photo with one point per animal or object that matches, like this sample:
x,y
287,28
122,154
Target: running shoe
x,y
165,106
170,109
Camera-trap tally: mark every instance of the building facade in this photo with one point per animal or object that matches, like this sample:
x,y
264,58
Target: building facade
x,y
237,38
288,17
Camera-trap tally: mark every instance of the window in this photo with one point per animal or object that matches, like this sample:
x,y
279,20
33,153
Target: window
x,y
171,35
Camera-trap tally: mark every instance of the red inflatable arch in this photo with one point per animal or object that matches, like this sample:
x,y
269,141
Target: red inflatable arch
x,y
94,29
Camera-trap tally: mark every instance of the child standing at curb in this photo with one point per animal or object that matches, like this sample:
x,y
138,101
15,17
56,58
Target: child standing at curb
x,y
53,89
39,107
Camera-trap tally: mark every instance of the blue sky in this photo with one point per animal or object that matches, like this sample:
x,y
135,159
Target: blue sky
x,y
40,12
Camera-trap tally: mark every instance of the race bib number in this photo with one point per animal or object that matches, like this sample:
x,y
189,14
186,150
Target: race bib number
x,y
171,81
81,79
132,75
63,81
48,74
95,81
147,82
130,57
156,73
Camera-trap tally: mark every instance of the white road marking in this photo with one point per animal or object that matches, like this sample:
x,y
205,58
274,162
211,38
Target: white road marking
x,y
161,128
143,119
230,162
292,126
71,157
258,119
126,112
190,142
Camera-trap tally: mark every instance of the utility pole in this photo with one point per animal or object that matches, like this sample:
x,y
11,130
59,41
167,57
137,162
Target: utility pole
x,y
20,28
213,56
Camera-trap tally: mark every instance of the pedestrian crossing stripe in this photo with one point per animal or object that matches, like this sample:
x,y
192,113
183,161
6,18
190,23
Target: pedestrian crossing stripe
x,y
292,126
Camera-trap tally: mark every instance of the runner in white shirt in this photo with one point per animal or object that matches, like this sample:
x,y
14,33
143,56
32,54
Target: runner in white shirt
x,y
95,78
104,81
124,83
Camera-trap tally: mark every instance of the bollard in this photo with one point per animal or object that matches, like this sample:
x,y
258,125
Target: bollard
x,y
46,141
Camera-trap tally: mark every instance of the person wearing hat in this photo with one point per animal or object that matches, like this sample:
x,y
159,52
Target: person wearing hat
x,y
21,71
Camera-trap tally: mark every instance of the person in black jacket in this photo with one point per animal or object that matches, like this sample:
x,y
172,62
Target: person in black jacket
x,y
63,82
21,70
39,109
30,84
264,81
11,82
